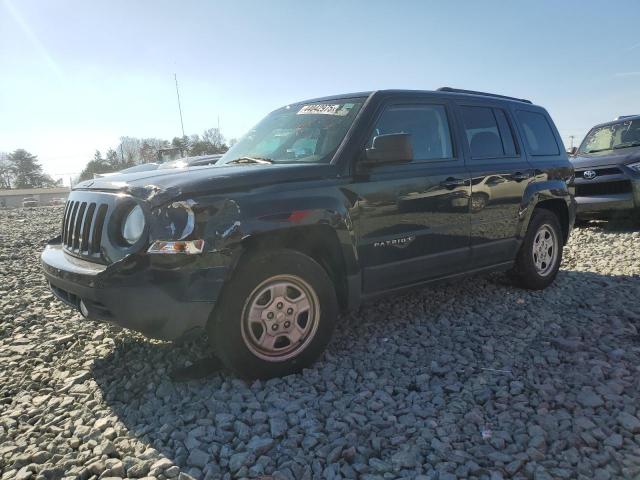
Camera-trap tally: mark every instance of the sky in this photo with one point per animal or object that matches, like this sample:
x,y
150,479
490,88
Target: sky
x,y
75,76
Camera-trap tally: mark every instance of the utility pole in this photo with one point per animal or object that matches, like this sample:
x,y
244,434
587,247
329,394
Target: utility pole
x,y
179,107
571,137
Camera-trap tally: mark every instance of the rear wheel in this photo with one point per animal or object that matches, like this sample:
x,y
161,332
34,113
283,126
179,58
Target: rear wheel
x,y
540,254
276,315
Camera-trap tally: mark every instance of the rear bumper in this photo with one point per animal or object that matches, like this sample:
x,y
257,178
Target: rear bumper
x,y
163,298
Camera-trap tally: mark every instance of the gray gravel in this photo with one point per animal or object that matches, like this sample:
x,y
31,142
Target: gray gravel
x,y
475,379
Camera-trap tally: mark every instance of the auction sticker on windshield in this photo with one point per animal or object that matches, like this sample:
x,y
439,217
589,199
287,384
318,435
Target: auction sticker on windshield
x,y
326,109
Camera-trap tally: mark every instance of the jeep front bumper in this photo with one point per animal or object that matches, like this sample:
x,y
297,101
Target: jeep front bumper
x,y
163,298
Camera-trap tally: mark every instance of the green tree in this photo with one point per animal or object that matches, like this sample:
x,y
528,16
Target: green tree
x,y
27,171
211,142
181,143
112,158
200,148
99,165
148,153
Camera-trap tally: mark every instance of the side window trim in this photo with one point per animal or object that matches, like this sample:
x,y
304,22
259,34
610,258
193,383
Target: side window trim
x,y
512,120
455,154
506,130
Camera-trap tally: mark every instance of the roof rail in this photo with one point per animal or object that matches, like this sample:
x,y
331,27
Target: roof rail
x,y
484,94
624,116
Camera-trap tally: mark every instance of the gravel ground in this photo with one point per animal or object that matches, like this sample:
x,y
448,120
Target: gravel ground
x,y
475,379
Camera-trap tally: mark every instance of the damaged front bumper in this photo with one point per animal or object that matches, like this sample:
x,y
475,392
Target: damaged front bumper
x,y
163,297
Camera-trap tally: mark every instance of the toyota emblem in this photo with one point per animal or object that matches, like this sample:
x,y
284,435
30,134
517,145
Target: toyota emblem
x,y
589,174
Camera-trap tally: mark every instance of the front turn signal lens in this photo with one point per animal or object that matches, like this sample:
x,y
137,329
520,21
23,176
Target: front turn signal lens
x,y
185,247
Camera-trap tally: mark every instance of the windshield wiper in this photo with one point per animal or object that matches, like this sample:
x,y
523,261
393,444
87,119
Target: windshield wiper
x,y
251,160
597,150
627,145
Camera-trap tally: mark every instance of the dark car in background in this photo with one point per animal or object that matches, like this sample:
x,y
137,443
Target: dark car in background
x,y
607,169
323,205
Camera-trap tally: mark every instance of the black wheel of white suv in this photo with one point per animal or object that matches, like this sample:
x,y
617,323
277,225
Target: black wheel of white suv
x,y
276,315
540,254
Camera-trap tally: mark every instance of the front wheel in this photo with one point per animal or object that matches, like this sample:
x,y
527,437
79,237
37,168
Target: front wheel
x,y
276,315
538,260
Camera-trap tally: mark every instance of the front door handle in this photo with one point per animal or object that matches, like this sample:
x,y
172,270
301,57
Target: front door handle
x,y
452,183
520,176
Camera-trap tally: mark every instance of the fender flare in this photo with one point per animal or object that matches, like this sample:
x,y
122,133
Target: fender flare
x,y
537,193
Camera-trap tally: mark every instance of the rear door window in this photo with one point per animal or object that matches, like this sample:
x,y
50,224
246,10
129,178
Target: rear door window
x,y
427,124
538,134
487,132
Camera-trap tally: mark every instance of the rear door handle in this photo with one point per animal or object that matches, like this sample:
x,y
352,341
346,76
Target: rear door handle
x,y
520,176
452,183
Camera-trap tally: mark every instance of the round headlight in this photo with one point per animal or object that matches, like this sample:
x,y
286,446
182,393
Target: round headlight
x,y
133,225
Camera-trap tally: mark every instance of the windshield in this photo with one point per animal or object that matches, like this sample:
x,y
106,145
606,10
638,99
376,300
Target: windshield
x,y
612,137
308,133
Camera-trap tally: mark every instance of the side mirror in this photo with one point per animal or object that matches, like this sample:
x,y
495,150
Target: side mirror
x,y
389,148
572,151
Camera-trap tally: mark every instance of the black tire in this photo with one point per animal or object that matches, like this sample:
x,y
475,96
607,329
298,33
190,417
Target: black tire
x,y
525,274
233,336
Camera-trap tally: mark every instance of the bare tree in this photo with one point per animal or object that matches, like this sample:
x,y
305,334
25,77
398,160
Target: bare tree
x,y
140,150
214,137
6,175
148,154
130,149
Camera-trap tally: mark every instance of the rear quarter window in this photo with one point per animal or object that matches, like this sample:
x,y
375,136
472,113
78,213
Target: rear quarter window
x,y
538,135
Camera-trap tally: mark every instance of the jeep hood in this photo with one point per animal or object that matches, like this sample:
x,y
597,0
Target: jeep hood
x,y
611,157
159,186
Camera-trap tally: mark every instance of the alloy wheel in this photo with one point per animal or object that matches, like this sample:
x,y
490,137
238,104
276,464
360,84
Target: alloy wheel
x,y
545,250
280,318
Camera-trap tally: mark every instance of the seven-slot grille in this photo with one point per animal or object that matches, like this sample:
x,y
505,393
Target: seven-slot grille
x,y
603,188
82,227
